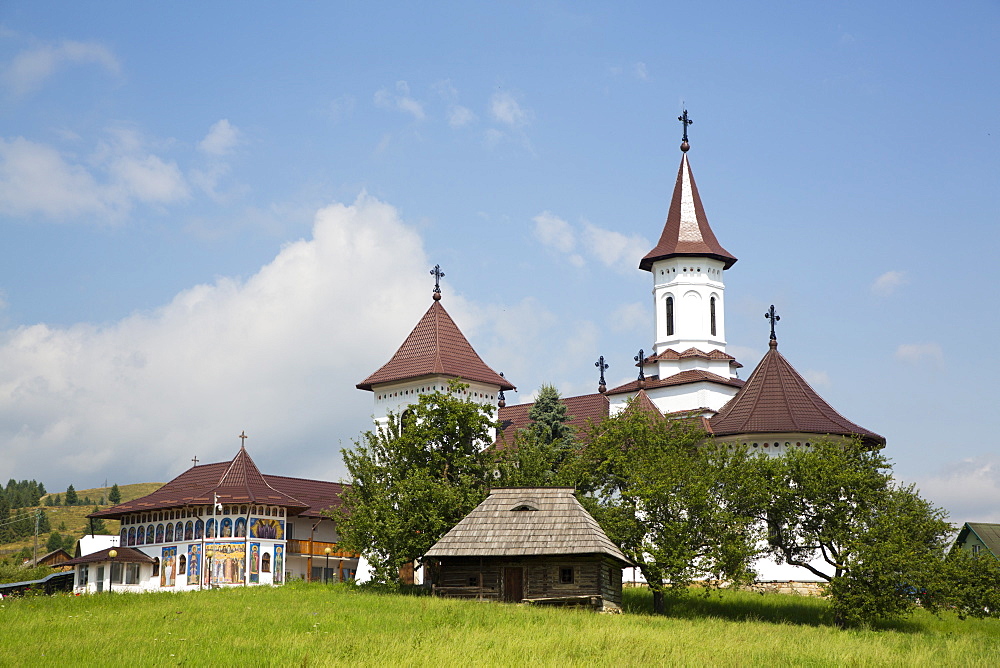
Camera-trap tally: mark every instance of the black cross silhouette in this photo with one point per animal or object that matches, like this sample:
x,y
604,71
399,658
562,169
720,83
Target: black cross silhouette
x,y
438,275
640,358
773,317
602,366
195,460
683,118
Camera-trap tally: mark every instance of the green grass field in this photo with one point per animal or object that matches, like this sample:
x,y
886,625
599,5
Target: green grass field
x,y
316,625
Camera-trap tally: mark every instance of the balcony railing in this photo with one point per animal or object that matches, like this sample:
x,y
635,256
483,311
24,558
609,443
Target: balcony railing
x,y
316,548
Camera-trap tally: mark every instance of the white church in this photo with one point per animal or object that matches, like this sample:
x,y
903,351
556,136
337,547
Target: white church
x,y
687,371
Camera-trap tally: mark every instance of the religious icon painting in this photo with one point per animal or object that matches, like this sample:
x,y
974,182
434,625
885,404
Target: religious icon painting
x,y
189,530
199,530
194,564
241,527
226,528
267,528
210,528
169,535
279,564
168,561
159,533
254,563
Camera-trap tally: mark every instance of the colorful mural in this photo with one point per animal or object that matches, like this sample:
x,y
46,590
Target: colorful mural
x,y
279,564
229,563
267,528
170,532
210,529
167,565
194,564
241,527
159,533
199,529
188,531
226,528
254,563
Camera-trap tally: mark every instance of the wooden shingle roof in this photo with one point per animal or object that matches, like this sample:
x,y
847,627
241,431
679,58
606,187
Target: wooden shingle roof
x,y
436,346
526,521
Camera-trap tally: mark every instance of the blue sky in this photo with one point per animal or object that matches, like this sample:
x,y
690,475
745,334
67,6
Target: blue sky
x,y
220,216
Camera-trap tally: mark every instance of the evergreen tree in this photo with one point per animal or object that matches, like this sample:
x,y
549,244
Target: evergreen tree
x,y
44,526
58,501
55,542
548,415
115,496
97,524
62,527
6,534
71,498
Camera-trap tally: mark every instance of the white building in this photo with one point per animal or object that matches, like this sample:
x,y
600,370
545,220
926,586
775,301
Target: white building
x,y
220,524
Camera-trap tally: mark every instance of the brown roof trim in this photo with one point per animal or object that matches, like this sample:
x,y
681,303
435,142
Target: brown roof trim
x,y
126,555
435,347
682,378
776,399
686,238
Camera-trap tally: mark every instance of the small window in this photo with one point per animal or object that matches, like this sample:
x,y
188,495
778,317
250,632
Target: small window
x,y
156,566
131,574
265,562
976,549
566,576
181,565
670,316
473,581
712,309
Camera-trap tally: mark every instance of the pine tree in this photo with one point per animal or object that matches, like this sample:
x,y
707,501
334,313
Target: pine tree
x,y
97,524
55,542
549,416
58,501
71,498
115,496
44,526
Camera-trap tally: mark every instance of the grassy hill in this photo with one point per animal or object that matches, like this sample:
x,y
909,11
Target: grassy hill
x,y
75,517
316,625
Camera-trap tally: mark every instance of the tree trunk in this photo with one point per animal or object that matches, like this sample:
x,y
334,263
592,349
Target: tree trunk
x,y
659,603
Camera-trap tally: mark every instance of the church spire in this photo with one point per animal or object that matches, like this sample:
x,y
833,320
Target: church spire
x,y
686,232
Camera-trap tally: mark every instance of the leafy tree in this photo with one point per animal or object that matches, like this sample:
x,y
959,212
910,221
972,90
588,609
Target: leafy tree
x,y
884,546
681,512
414,479
71,498
115,495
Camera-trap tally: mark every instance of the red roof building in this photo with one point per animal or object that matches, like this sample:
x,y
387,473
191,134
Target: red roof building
x,y
220,524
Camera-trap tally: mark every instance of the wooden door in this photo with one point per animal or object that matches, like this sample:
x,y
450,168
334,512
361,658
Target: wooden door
x,y
513,584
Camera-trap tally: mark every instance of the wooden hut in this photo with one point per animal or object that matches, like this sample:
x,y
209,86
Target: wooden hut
x,y
534,544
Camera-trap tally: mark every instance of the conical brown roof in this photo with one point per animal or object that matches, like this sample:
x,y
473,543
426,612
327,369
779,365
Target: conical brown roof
x,y
436,346
243,482
776,399
686,231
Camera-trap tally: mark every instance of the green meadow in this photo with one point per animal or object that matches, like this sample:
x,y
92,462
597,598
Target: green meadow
x,y
317,625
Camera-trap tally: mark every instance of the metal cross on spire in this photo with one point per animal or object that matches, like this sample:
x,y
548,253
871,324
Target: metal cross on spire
x,y
438,275
195,460
683,118
640,358
602,386
503,400
243,438
773,317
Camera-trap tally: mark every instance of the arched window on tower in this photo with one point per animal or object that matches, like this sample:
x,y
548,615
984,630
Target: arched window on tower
x,y
670,316
711,307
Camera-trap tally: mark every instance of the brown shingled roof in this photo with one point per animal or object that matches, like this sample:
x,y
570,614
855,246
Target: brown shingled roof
x,y
686,231
682,378
642,403
501,526
436,346
777,399
126,555
579,411
234,482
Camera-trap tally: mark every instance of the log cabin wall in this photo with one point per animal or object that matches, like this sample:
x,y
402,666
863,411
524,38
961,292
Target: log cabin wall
x,y
544,577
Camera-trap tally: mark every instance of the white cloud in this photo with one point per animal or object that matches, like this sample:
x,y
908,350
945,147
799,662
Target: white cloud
x,y
640,71
121,172
505,109
29,69
614,249
631,317
277,355
492,137
969,489
222,138
888,282
919,352
459,116
401,100
816,378
554,232
341,107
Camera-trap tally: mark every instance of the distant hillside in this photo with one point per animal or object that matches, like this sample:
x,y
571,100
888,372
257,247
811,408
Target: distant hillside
x,y
75,517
